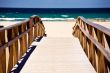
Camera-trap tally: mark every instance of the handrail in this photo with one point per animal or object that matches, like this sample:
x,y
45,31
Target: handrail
x,y
95,25
95,40
15,39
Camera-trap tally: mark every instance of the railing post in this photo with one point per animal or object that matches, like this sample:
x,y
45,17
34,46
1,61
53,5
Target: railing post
x,y
23,39
82,25
2,52
85,41
15,40
91,49
102,64
35,28
95,40
42,29
39,30
11,35
87,48
80,38
30,34
15,30
37,19
105,42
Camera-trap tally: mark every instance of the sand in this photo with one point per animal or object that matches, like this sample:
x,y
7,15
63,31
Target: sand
x,y
8,23
56,25
65,25
50,27
105,24
71,23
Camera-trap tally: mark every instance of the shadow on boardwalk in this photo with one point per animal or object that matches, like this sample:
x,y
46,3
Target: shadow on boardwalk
x,y
25,57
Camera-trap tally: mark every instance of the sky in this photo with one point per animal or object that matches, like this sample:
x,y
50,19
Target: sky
x,y
55,3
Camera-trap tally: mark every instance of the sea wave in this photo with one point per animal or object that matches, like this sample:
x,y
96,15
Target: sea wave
x,y
64,15
56,19
12,19
44,19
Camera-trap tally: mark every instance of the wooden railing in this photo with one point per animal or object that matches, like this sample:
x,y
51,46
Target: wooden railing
x,y
95,40
15,40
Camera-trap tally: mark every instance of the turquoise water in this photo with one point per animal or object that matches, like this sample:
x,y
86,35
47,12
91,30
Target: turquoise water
x,y
53,14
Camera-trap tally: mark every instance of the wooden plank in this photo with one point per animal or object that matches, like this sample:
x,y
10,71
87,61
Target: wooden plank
x,y
30,34
35,30
98,48
102,64
15,31
16,43
10,34
59,57
23,43
2,53
1,68
15,34
24,38
65,56
60,52
97,26
97,44
39,29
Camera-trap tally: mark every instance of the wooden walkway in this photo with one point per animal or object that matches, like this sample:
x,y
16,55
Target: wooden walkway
x,y
58,54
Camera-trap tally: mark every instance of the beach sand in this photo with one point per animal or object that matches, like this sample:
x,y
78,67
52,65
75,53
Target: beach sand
x,y
51,27
54,24
66,26
105,24
8,23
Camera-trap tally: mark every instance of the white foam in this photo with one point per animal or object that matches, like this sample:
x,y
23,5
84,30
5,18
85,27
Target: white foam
x,y
64,15
12,19
44,19
56,19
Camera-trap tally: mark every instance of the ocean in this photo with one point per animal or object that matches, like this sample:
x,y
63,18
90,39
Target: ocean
x,y
53,14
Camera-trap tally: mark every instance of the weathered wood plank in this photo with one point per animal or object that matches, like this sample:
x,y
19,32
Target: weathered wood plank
x,y
2,53
14,41
56,55
97,45
10,34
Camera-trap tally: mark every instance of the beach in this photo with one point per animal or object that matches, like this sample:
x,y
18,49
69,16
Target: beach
x,y
8,23
49,36
56,24
61,56
51,26
105,24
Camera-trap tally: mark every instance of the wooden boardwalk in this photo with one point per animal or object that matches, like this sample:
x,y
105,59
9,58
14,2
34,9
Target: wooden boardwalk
x,y
60,54
60,51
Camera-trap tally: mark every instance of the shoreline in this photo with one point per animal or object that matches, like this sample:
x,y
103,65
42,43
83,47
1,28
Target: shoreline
x,y
57,19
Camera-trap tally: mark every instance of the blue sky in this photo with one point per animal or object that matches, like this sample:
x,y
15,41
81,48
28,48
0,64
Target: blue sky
x,y
55,3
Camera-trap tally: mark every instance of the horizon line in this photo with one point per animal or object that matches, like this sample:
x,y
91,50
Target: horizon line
x,y
60,8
